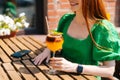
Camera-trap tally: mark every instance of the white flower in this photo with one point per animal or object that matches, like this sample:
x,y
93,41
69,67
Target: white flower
x,y
8,20
26,25
2,31
1,17
13,27
21,14
7,32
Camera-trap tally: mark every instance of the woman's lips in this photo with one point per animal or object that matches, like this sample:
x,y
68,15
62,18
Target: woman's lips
x,y
74,4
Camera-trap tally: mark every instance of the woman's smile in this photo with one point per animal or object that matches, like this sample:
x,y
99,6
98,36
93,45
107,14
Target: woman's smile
x,y
73,3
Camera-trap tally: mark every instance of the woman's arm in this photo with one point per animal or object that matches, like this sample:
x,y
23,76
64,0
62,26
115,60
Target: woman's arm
x,y
106,70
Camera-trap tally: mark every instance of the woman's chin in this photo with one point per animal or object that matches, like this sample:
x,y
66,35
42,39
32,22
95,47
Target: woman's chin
x,y
74,10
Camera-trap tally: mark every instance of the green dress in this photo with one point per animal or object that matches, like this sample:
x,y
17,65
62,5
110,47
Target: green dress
x,y
83,51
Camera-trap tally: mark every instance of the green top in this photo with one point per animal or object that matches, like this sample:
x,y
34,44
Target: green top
x,y
83,51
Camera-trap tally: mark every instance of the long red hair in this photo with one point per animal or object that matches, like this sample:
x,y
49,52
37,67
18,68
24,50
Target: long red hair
x,y
95,10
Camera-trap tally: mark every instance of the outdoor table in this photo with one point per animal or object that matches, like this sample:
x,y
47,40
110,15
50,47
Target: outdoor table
x,y
23,68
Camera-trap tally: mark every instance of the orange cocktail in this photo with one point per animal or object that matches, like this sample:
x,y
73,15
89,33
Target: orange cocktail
x,y
54,42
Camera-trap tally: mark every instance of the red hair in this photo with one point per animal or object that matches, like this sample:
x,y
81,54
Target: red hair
x,y
95,10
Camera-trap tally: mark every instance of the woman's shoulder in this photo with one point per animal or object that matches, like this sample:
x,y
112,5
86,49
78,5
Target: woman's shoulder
x,y
106,25
63,20
68,16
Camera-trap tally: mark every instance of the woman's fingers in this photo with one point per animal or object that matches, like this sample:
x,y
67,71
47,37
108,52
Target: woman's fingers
x,y
44,55
40,61
37,60
56,63
56,58
48,58
56,66
63,65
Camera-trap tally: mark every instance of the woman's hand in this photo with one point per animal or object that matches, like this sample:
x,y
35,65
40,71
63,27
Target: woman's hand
x,y
62,64
44,55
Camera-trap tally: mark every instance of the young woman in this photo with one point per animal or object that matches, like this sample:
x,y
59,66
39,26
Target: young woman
x,y
89,39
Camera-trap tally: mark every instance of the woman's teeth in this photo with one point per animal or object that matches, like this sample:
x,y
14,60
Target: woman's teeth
x,y
73,4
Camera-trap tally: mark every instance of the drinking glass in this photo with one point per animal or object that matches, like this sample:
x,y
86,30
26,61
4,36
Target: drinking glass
x,y
54,42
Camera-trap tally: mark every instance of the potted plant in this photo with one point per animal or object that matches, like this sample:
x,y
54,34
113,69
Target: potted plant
x,y
9,26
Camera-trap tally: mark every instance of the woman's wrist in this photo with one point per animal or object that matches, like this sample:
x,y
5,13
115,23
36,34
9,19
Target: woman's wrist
x,y
73,67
